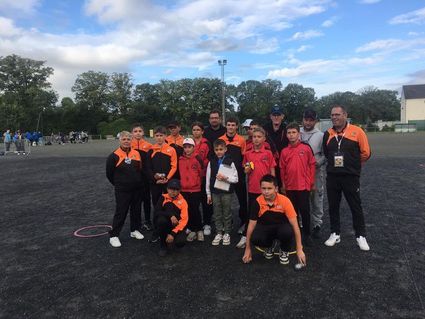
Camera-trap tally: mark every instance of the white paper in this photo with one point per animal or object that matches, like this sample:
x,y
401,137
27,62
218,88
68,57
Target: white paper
x,y
226,171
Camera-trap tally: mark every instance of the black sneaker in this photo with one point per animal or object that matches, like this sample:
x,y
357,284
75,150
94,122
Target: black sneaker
x,y
268,253
147,226
316,232
154,238
284,257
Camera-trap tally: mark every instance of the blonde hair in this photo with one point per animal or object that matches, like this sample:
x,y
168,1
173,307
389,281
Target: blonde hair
x,y
259,129
125,133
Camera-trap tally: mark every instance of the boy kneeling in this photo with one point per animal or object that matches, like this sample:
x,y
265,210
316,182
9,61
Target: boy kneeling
x,y
273,217
171,216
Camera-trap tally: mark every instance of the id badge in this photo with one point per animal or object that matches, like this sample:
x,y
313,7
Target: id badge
x,y
339,160
127,160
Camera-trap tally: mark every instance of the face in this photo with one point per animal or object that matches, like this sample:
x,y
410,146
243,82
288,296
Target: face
x,y
174,130
293,135
231,128
309,124
137,133
197,132
214,119
125,141
338,117
159,138
258,138
173,192
248,130
220,151
276,118
188,149
268,190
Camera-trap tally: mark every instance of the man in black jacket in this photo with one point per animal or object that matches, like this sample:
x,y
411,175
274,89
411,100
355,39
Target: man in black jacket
x,y
215,129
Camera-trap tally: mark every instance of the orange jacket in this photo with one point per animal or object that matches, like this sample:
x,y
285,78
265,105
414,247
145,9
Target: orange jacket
x,y
180,210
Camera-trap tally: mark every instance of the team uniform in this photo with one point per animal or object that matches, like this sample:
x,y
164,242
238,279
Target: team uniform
x,y
212,135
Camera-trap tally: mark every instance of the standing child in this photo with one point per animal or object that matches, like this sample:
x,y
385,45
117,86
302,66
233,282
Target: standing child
x,y
259,161
221,174
190,169
297,169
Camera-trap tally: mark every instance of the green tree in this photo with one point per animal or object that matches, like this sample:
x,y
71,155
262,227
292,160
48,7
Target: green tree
x,y
92,89
120,96
295,99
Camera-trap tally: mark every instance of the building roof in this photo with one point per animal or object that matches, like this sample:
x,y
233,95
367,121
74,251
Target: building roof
x,y
414,91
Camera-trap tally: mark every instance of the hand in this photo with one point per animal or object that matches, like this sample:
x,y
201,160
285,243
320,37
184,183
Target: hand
x,y
221,177
209,200
169,239
247,257
174,220
157,176
247,170
162,181
301,257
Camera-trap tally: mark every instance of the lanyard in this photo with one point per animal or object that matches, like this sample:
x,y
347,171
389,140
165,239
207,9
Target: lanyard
x,y
220,160
339,141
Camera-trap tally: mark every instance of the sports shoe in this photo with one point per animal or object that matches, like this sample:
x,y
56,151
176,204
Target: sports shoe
x,y
268,253
136,234
241,229
200,235
115,242
191,236
207,230
226,240
188,231
154,238
241,243
316,231
332,240
361,241
147,226
284,258
217,239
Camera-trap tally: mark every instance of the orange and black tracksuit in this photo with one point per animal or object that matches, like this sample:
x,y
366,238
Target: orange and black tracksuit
x,y
273,222
123,170
351,143
167,207
143,148
161,159
236,148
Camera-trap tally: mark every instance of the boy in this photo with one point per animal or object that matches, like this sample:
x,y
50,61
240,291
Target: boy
x,y
219,190
143,147
258,162
175,139
297,169
123,170
171,215
191,171
273,217
161,164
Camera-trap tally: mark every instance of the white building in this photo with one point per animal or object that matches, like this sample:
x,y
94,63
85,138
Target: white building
x,y
413,105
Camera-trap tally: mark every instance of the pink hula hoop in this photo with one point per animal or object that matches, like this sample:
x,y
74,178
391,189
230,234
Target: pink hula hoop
x,y
77,232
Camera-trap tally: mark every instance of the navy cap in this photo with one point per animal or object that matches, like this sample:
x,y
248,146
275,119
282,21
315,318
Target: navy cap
x,y
174,184
276,109
310,114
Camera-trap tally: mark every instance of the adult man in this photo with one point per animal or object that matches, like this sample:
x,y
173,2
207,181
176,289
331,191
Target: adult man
x,y
314,137
273,217
346,148
215,129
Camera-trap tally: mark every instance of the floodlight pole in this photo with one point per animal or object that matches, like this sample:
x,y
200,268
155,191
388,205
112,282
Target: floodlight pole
x,y
222,63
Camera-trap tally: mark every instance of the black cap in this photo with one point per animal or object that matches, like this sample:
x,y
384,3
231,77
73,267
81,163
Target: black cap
x,y
174,184
276,109
173,124
310,114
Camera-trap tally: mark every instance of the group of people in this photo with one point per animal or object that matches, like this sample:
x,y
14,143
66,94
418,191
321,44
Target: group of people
x,y
277,173
19,139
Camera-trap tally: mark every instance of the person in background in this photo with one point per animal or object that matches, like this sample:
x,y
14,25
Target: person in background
x,y
175,140
215,129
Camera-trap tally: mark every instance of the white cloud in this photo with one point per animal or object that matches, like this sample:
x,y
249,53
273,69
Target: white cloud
x,y
19,6
391,45
415,17
264,46
329,22
307,35
7,28
369,1
304,48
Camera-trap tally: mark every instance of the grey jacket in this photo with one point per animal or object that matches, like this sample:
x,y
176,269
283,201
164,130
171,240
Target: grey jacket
x,y
315,139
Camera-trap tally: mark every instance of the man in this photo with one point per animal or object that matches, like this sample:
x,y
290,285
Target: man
x,y
215,129
273,218
346,149
314,137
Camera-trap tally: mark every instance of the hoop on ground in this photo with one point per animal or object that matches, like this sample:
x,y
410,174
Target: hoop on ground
x,y
77,232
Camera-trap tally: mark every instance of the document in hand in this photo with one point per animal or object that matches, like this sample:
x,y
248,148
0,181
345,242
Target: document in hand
x,y
225,170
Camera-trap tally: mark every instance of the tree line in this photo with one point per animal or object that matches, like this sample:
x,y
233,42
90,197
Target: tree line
x,y
106,103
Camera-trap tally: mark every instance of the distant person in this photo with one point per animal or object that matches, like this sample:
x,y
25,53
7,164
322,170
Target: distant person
x,y
139,144
221,176
314,137
123,170
7,136
252,126
175,139
272,217
215,129
170,218
19,141
346,148
297,170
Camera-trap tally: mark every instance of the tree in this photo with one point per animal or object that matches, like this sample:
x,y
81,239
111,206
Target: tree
x,y
92,89
120,95
295,99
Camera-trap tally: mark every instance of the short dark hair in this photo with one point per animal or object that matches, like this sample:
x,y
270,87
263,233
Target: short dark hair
x,y
137,125
214,111
293,125
160,129
269,179
343,108
254,122
219,142
232,119
197,123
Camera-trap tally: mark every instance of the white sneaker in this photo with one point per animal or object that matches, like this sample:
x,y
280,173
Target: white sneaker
x,y
191,237
333,239
226,240
361,241
136,234
207,230
241,243
217,239
188,231
115,242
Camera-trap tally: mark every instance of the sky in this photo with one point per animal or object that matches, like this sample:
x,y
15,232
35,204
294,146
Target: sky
x,y
327,45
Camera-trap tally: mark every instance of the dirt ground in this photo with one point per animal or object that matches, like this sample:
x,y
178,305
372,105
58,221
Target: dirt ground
x,y
47,272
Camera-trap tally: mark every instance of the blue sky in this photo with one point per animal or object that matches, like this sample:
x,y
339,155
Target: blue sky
x,y
327,45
